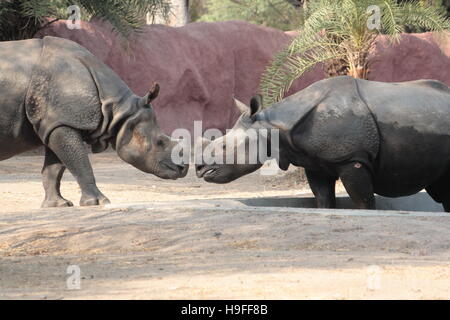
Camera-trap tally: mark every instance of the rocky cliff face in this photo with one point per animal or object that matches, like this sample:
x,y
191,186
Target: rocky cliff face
x,y
416,56
202,66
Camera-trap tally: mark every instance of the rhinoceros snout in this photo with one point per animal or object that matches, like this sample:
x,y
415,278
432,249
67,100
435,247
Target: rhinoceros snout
x,y
183,170
198,169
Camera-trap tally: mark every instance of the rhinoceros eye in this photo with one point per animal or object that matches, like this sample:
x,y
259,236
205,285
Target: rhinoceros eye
x,y
160,143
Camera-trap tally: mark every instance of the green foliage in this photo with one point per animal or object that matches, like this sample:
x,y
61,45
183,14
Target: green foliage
x,y
272,13
197,9
21,19
437,4
338,31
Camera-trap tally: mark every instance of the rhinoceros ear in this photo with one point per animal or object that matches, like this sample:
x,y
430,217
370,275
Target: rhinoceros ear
x,y
153,93
243,108
256,104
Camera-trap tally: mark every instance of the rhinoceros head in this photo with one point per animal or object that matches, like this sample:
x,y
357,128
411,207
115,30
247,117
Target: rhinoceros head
x,y
236,153
141,143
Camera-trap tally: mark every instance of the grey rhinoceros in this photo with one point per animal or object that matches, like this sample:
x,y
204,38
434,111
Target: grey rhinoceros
x,y
392,139
54,92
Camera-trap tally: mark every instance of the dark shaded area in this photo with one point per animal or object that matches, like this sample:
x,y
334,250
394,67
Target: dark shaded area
x,y
418,202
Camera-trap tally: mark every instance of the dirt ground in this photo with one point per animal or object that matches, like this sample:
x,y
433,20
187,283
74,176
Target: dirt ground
x,y
163,239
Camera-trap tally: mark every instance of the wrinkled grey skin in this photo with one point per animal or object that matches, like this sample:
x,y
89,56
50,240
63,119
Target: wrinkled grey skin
x,y
55,93
392,139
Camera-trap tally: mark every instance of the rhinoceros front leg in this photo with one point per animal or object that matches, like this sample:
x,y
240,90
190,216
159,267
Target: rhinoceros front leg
x,y
68,146
323,187
52,173
357,180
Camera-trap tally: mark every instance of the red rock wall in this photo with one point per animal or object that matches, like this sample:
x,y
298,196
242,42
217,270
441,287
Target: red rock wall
x,y
201,66
416,56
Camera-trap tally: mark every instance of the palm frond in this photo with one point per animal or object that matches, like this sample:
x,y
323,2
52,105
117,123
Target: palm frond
x,y
124,16
337,31
288,65
391,19
21,19
427,17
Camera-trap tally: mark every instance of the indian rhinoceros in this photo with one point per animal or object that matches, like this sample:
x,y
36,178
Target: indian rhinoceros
x,y
54,92
392,139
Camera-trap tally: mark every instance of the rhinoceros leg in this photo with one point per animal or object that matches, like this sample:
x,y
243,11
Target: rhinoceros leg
x,y
52,173
446,202
440,191
323,187
68,146
357,180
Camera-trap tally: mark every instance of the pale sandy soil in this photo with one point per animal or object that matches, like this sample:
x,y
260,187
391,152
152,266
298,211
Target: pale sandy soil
x,y
178,244
21,184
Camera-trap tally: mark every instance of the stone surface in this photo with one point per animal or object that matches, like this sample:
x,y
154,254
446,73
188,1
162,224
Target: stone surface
x,y
416,56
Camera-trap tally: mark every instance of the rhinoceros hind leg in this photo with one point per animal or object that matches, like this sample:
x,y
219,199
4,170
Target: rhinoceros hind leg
x,y
357,180
323,187
440,191
446,203
68,146
52,173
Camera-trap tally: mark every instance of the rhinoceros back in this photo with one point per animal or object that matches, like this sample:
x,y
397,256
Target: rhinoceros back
x,y
71,87
17,60
61,91
422,104
326,107
413,120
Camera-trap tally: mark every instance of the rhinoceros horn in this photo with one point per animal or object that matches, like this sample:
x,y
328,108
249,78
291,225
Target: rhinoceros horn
x,y
153,93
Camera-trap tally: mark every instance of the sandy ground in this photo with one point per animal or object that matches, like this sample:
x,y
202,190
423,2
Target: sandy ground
x,y
179,244
21,184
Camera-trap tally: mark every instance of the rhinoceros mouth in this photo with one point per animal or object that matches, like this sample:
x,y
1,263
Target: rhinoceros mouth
x,y
206,172
179,169
210,172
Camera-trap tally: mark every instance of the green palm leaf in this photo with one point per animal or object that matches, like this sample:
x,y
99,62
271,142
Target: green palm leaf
x,y
337,31
21,19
